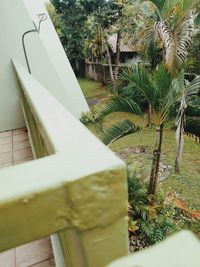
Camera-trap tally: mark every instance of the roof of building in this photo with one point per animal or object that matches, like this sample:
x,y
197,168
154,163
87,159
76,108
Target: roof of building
x,y
126,45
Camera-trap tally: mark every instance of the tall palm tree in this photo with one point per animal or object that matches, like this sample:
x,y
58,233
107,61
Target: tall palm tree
x,y
170,25
188,106
162,92
192,118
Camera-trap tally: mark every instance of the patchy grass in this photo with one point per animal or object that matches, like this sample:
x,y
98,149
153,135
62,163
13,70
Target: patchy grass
x,y
187,184
92,89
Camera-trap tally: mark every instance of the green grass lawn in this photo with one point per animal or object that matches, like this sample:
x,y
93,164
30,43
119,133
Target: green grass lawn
x,y
187,184
92,89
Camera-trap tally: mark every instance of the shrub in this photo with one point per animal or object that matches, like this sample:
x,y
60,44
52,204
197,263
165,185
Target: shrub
x,y
132,92
89,117
151,218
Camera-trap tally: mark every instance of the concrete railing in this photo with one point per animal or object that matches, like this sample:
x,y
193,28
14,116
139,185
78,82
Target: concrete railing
x,y
180,250
76,187
75,191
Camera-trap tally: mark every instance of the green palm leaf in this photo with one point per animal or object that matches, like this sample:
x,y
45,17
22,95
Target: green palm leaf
x,y
162,81
158,87
119,104
174,24
159,3
193,125
177,42
193,111
139,76
118,131
193,88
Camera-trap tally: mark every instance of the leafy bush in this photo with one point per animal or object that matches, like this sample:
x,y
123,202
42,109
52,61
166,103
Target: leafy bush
x,y
89,117
131,91
151,218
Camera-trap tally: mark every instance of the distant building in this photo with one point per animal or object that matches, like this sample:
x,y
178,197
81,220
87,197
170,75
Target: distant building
x,y
129,52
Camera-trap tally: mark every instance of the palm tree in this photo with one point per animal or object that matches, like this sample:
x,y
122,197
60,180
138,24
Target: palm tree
x,y
192,118
162,92
170,25
188,106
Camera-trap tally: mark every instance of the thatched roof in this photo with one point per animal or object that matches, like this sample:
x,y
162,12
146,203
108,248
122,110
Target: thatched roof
x,y
126,45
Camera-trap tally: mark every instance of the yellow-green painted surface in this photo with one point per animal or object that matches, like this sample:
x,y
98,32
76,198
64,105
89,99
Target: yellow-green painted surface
x,y
78,191
180,250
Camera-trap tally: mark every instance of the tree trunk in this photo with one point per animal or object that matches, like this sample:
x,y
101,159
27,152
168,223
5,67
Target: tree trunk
x,y
109,57
110,64
156,161
117,62
101,47
117,59
149,115
180,144
179,132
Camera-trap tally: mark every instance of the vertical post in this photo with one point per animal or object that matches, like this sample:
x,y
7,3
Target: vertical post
x,y
100,234
96,211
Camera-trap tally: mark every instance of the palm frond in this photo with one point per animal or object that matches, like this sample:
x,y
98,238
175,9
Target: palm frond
x,y
193,109
149,9
150,34
177,42
193,88
168,96
159,3
138,75
119,104
192,125
118,131
158,87
189,4
162,81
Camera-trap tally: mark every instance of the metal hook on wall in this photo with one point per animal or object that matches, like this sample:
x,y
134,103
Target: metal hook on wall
x,y
42,17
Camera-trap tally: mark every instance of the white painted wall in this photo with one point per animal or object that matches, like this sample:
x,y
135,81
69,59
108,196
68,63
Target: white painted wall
x,y
58,56
46,61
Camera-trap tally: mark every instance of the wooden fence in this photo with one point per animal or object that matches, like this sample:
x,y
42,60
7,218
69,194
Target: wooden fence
x,y
99,72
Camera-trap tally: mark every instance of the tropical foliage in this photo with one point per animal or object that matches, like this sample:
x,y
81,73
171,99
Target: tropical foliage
x,y
192,123
171,26
161,91
151,219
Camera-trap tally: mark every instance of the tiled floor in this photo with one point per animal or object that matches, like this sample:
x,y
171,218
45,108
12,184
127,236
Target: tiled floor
x,y
14,149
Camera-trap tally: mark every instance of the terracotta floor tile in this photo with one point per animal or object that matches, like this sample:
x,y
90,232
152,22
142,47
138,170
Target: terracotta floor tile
x,y
20,137
22,154
3,165
21,145
7,258
6,140
15,147
33,253
6,134
47,263
19,131
6,157
22,160
5,148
